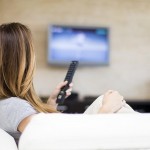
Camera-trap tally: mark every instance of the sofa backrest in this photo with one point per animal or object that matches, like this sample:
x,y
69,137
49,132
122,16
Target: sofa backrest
x,y
7,142
87,132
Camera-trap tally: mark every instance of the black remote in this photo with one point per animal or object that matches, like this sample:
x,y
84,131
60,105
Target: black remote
x,y
69,77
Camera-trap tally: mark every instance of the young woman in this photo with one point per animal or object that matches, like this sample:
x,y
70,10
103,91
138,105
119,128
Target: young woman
x,y
19,102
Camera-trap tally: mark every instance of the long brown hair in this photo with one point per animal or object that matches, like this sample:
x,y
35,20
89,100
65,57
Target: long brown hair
x,y
17,65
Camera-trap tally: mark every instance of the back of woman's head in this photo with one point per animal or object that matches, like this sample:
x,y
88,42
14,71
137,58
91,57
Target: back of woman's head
x,y
17,60
17,63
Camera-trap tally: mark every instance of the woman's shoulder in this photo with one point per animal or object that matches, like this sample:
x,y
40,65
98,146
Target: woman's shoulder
x,y
15,104
13,100
12,111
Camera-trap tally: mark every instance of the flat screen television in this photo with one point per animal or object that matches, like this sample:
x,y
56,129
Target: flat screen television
x,y
88,45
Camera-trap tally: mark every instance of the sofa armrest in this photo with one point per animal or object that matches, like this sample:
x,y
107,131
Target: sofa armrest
x,y
7,142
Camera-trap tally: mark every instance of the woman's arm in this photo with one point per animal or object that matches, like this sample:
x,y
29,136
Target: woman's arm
x,y
24,123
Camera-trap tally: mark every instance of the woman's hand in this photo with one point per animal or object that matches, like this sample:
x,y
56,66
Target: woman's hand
x,y
112,102
54,94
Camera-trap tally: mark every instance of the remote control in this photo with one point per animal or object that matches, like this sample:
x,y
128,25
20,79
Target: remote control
x,y
69,77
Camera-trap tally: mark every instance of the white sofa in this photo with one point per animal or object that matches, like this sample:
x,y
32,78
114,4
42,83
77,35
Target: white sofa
x,y
87,132
83,132
6,141
126,130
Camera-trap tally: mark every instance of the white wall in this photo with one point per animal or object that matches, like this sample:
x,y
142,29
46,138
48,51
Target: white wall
x,y
129,23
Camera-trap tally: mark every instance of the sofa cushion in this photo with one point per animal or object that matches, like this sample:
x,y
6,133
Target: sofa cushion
x,y
7,142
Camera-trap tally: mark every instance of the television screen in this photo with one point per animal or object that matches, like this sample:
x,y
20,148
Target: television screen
x,y
88,45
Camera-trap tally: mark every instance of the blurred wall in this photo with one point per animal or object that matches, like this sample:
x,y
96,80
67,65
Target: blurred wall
x,y
129,23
